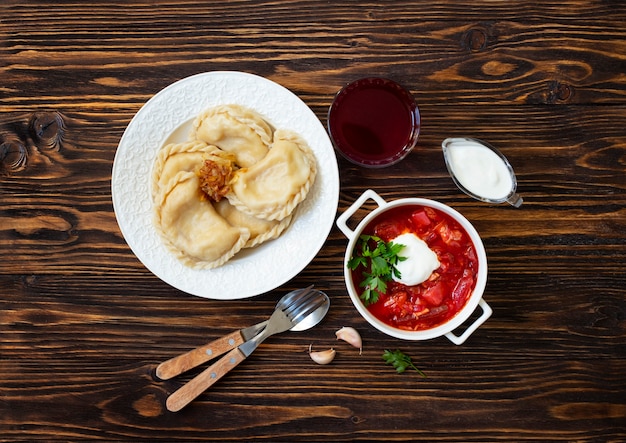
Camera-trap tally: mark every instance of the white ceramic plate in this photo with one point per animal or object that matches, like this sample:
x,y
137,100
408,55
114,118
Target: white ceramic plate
x,y
167,117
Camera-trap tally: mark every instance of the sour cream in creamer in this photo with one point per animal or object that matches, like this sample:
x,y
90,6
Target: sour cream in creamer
x,y
420,261
479,169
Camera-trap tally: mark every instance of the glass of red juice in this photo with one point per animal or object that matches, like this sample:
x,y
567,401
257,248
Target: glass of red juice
x,y
374,122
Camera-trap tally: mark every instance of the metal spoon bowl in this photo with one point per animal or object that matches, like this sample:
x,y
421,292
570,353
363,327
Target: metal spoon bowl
x,y
311,319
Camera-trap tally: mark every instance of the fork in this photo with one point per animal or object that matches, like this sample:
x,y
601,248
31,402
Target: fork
x,y
298,309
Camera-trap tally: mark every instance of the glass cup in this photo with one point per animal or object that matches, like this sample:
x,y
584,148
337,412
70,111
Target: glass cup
x,y
374,122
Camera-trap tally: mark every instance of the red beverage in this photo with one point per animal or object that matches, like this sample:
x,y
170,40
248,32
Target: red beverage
x,y
374,122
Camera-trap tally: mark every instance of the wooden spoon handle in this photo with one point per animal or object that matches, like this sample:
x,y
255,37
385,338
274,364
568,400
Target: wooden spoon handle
x,y
187,393
182,363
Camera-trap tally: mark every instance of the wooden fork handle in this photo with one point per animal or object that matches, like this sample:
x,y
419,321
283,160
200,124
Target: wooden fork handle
x,y
197,385
182,363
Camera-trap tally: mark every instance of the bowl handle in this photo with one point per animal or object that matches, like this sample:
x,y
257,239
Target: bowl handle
x,y
343,218
459,340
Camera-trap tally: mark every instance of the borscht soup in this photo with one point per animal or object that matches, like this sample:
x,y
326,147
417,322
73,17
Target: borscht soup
x,y
437,261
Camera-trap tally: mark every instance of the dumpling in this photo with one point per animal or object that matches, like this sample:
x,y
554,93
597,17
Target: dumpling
x,y
232,153
260,230
178,157
191,227
235,129
273,187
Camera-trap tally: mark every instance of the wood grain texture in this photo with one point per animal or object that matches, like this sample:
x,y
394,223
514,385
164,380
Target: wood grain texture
x,y
83,324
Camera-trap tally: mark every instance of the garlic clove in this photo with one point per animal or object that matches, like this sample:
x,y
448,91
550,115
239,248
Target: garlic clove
x,y
322,357
352,336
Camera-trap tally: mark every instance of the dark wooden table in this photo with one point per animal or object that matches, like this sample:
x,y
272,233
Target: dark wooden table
x,y
83,324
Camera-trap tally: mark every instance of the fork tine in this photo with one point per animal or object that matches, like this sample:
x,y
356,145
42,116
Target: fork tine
x,y
302,297
301,316
306,309
301,301
295,296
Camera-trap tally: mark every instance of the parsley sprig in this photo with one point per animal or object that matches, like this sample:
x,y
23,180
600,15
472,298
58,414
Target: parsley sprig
x,y
400,361
380,263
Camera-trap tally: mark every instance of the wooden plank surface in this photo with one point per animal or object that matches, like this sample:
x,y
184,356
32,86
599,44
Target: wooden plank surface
x,y
83,324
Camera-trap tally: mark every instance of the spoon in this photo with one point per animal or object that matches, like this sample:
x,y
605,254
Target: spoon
x,y
195,357
298,310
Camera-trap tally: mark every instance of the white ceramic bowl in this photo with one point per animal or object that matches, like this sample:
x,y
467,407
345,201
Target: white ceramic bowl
x,y
446,329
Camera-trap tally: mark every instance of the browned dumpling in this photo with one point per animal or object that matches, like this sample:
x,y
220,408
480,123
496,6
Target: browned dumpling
x,y
235,129
191,227
178,157
273,187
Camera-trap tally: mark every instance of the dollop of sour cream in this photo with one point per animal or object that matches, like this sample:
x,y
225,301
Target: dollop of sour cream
x,y
480,170
420,261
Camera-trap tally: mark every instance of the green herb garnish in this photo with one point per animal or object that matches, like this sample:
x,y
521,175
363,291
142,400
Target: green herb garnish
x,y
381,263
400,361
